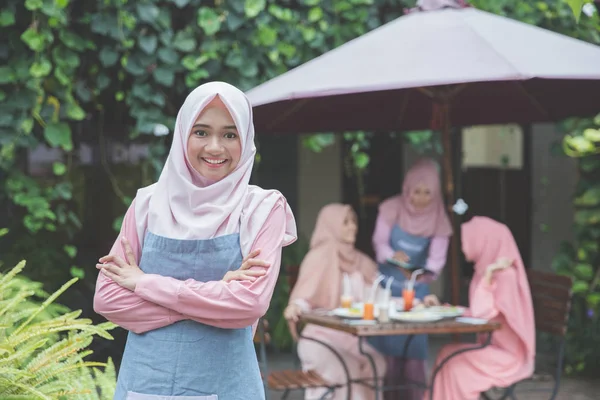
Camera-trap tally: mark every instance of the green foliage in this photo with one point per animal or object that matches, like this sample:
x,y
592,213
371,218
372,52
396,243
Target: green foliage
x,y
581,259
68,67
43,346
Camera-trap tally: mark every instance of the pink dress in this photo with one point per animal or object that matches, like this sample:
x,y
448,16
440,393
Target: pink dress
x,y
316,357
500,364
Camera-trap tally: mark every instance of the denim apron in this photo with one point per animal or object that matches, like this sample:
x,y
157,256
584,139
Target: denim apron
x,y
417,248
187,359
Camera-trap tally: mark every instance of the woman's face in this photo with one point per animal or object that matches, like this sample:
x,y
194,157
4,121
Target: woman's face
x,y
350,228
420,197
214,147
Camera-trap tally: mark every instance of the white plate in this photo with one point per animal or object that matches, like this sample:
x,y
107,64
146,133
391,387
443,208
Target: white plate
x,y
348,313
447,311
415,317
472,321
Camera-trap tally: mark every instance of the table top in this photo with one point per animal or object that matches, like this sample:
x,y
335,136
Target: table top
x,y
444,326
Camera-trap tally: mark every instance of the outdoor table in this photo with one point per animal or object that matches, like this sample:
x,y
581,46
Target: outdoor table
x,y
441,327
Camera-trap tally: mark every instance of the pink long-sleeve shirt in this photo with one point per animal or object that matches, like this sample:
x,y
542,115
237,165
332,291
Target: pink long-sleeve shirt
x,y
438,248
159,301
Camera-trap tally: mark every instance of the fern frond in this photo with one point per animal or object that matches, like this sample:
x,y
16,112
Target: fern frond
x,y
17,269
45,304
24,351
32,391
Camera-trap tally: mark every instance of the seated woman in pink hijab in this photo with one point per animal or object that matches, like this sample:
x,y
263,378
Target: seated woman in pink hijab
x,y
499,291
332,254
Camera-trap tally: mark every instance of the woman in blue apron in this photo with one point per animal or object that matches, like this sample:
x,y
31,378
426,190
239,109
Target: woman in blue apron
x,y
182,277
412,232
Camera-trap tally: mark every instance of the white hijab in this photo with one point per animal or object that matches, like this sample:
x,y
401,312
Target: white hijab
x,y
184,205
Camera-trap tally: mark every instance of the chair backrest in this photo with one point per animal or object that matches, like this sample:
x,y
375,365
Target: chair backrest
x,y
551,295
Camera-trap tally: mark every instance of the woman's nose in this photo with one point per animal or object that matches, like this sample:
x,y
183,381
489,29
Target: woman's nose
x,y
213,145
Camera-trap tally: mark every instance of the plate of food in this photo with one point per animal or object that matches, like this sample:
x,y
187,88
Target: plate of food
x,y
351,313
418,316
447,311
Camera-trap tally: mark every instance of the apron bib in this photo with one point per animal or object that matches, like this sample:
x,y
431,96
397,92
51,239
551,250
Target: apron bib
x,y
417,248
188,360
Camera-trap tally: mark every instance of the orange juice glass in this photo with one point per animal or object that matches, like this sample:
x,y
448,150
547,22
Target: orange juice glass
x,y
408,295
369,311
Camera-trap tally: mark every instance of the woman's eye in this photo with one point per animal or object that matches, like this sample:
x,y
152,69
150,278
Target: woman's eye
x,y
200,133
230,135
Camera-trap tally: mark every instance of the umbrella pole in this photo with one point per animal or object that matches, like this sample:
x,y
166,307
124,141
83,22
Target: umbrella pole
x,y
441,120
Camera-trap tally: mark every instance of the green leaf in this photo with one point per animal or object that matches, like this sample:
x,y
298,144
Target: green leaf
x,y
72,40
208,20
59,135
580,287
585,271
315,14
3,232
593,135
33,4
168,56
579,144
62,77
234,21
40,68
234,59
254,7
164,76
7,18
593,299
589,198
35,40
59,168
184,42
6,75
108,57
75,112
361,160
267,36
576,6
147,12
70,250
77,272
102,81
148,44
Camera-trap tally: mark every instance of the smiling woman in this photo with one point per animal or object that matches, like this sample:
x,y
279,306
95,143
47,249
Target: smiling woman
x,y
182,276
214,147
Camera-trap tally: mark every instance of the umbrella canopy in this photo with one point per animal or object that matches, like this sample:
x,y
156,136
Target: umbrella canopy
x,y
505,71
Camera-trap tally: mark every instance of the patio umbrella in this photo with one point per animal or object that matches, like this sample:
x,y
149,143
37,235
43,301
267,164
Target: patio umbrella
x,y
442,64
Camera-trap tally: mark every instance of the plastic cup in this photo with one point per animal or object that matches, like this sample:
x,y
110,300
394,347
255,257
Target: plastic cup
x,y
369,311
346,301
408,295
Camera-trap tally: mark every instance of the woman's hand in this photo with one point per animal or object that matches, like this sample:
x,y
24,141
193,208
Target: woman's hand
x,y
244,273
292,312
500,264
124,274
431,300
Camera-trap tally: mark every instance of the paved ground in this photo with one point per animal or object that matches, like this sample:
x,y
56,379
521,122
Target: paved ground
x,y
571,388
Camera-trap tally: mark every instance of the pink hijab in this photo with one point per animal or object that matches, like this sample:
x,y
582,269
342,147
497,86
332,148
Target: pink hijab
x,y
183,205
484,241
321,272
429,222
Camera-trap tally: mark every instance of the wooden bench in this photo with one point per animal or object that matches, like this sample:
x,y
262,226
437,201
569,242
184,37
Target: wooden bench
x,y
290,379
551,295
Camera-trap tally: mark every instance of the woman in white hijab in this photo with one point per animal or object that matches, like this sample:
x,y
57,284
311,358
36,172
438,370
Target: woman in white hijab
x,y
191,303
